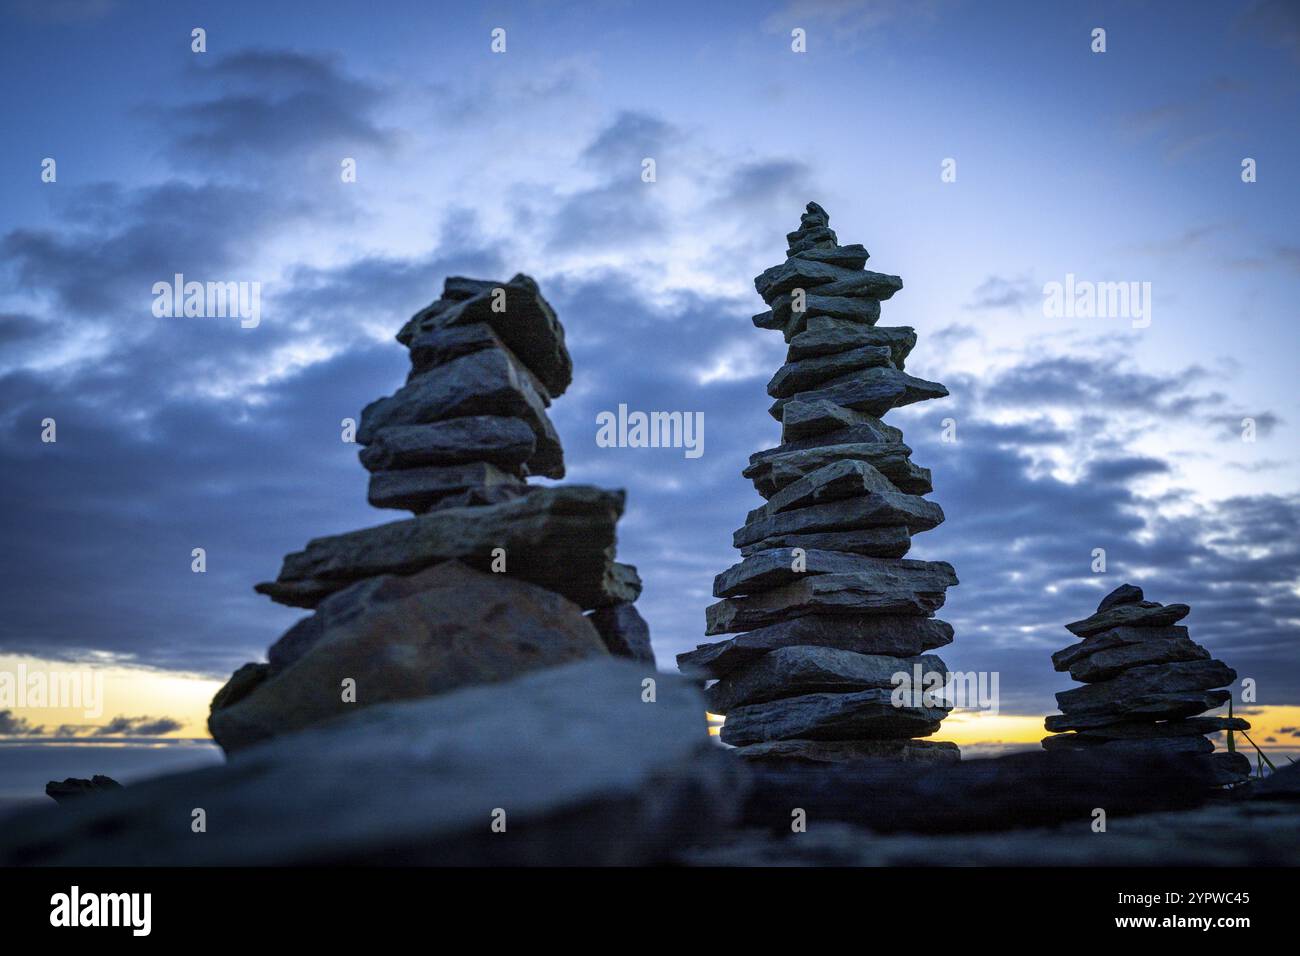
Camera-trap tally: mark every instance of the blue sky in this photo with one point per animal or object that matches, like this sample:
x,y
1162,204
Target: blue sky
x,y
1072,433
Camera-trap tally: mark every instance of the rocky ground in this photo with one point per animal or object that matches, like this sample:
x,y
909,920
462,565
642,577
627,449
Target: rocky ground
x,y
589,764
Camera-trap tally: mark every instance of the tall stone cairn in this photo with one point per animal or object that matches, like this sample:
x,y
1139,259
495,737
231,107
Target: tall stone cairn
x,y
1144,684
826,608
490,577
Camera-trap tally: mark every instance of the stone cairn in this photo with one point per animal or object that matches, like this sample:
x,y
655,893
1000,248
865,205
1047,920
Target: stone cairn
x,y
421,605
829,608
1145,683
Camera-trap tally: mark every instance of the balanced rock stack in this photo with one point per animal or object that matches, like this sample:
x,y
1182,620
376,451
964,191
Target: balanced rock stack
x,y
491,576
1145,683
829,608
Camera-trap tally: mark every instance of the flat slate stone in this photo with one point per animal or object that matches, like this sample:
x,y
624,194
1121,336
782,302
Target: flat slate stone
x,y
809,419
826,336
892,459
421,489
1120,694
481,383
431,349
821,752
808,275
1103,665
567,751
873,390
893,541
774,568
1116,637
1149,745
505,442
1190,727
526,324
1124,594
870,285
847,478
898,587
624,631
1172,705
892,635
809,373
1143,614
873,431
853,256
850,514
794,671
864,715
814,237
561,538
848,308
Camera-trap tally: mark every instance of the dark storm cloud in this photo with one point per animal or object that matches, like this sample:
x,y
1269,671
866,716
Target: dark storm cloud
x,y
626,140
622,209
138,727
12,725
204,230
275,105
18,329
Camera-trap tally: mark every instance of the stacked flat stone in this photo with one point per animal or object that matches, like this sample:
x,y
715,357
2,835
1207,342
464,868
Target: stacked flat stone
x,y
826,608
471,423
454,445
1145,683
491,576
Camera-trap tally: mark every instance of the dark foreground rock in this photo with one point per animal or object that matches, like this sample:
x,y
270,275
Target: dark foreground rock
x,y
783,753
1251,833
1003,793
73,788
583,769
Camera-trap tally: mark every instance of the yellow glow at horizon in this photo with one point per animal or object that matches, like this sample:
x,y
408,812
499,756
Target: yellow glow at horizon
x,y
128,692
968,727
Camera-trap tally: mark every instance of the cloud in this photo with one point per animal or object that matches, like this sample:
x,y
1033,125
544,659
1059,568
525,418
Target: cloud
x,y
623,209
997,292
1231,426
274,108
138,727
11,725
852,21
